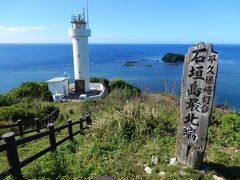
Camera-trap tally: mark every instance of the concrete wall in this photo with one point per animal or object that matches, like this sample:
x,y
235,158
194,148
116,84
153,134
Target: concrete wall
x,y
99,87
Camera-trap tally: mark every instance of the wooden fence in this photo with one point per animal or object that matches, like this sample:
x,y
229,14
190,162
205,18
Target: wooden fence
x,y
37,123
11,145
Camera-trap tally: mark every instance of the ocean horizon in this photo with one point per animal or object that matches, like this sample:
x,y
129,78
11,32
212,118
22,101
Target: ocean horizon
x,y
41,62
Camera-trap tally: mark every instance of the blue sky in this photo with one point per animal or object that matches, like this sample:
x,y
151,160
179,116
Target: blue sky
x,y
122,21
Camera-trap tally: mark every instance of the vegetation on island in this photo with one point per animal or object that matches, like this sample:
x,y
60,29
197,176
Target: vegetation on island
x,y
129,128
173,58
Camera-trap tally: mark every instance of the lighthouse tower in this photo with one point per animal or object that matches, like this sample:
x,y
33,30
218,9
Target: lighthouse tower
x,y
80,33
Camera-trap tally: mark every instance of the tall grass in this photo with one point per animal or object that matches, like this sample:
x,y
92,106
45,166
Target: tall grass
x,y
127,131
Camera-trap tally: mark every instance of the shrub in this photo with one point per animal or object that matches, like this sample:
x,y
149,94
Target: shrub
x,y
46,109
231,122
25,111
119,84
15,113
135,119
122,90
104,81
26,92
122,84
123,94
226,130
88,104
7,99
36,90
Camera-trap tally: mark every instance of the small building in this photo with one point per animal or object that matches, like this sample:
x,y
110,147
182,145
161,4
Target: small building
x,y
58,86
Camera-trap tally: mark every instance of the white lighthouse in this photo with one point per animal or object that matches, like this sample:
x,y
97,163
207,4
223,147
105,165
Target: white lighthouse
x,y
80,33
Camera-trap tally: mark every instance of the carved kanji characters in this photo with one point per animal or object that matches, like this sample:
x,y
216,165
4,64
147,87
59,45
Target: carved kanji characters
x,y
194,89
190,133
193,104
205,109
208,90
206,99
212,58
196,72
210,69
198,58
209,80
192,119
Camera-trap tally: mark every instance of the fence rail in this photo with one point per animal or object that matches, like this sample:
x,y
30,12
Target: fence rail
x,y
39,124
11,145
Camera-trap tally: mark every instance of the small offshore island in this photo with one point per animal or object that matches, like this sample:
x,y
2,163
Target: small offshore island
x,y
131,63
168,58
173,58
136,63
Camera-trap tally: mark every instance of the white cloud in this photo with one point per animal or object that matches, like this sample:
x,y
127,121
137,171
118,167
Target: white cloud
x,y
22,29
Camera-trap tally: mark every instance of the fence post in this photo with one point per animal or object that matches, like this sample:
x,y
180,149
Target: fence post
x,y
12,154
81,123
52,137
54,114
83,114
51,118
20,127
37,125
46,121
70,131
57,112
88,119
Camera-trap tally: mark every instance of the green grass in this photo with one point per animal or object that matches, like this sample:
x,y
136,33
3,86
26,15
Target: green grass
x,y
125,134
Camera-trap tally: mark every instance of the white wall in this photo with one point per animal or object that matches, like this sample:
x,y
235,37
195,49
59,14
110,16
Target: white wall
x,y
58,87
81,54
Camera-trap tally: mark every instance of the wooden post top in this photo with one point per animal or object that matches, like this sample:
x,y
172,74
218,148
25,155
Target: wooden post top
x,y
8,135
50,125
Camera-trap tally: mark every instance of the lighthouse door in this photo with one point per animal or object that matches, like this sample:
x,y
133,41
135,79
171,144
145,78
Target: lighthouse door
x,y
79,86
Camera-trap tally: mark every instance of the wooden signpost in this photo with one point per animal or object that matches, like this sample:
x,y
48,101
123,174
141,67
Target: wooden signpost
x,y
197,96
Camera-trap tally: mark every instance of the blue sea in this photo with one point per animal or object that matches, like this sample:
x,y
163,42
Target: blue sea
x,y
40,62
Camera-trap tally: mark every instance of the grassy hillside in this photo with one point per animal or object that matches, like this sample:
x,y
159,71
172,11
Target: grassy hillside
x,y
28,101
127,130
